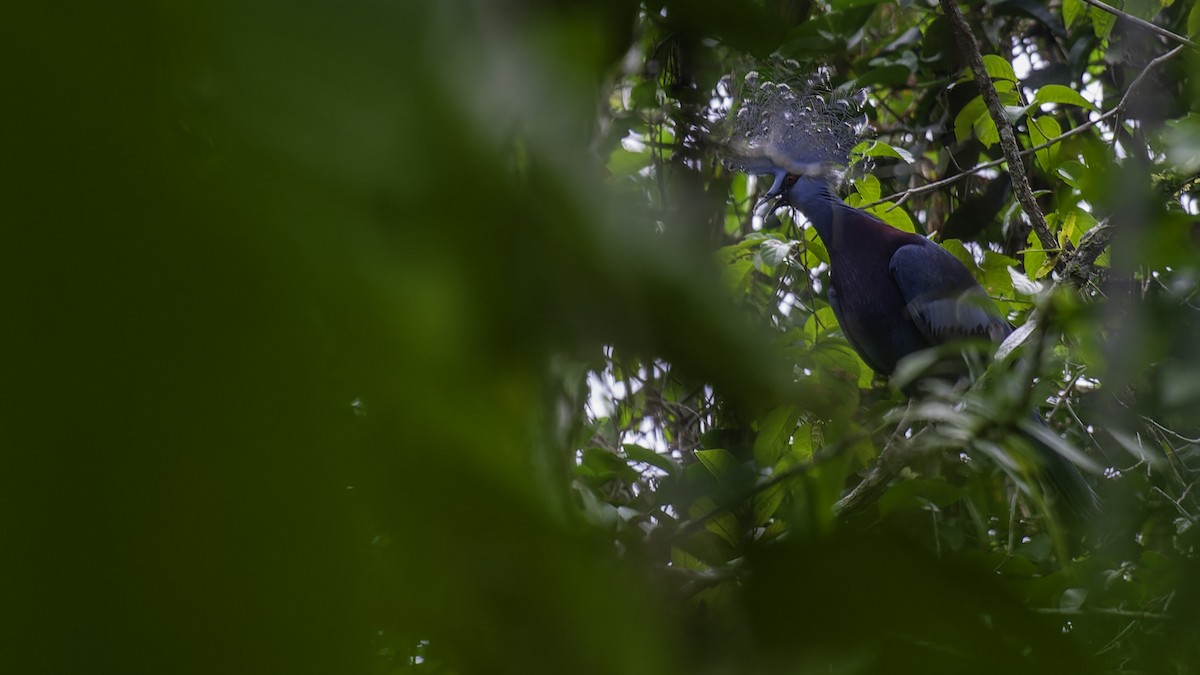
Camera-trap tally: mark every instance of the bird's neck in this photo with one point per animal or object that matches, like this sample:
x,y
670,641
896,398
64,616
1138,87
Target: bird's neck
x,y
820,205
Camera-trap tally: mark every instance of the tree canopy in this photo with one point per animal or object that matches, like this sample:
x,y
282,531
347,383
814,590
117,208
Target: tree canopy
x,y
441,338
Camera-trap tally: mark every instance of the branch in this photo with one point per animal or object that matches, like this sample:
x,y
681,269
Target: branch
x,y
1142,22
1110,611
1008,140
690,527
887,465
1078,267
891,459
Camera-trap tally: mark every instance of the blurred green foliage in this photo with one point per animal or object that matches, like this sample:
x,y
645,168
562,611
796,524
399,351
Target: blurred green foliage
x,y
433,337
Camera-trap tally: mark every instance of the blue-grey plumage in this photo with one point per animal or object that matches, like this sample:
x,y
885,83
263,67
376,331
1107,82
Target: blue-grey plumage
x,y
895,293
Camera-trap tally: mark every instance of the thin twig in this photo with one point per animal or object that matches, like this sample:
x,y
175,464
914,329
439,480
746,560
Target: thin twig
x,y
1182,511
1176,434
1142,22
1011,549
1066,391
1116,641
1008,140
1110,611
1079,421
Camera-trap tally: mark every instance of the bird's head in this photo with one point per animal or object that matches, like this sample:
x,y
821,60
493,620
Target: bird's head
x,y
800,135
781,188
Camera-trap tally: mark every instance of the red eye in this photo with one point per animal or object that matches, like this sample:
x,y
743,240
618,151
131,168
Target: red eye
x,y
790,180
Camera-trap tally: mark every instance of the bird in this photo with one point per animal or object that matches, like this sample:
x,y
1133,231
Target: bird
x,y
894,293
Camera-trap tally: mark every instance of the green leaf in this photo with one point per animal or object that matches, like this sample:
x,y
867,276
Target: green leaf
x,y
985,130
600,466
1042,129
1036,259
959,251
841,5
623,163
999,68
1102,22
866,376
766,502
1015,339
644,95
835,360
833,378
739,184
720,463
774,434
1073,225
1072,599
1036,548
814,245
639,453
1065,448
1182,138
1142,9
996,277
892,75
738,275
1193,21
913,367
964,122
802,446
918,492
893,215
774,252
725,526
728,253
1072,10
1065,226
1057,93
868,188
1070,172
881,149
820,323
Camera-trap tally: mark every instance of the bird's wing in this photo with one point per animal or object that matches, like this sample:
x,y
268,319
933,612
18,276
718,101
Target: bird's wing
x,y
943,299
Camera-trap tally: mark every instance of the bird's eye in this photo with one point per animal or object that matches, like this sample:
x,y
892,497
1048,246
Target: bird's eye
x,y
790,180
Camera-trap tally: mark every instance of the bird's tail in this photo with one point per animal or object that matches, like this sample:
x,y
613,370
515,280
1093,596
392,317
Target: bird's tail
x,y
1067,489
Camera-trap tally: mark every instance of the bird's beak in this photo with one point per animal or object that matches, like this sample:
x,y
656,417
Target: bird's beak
x,y
775,197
